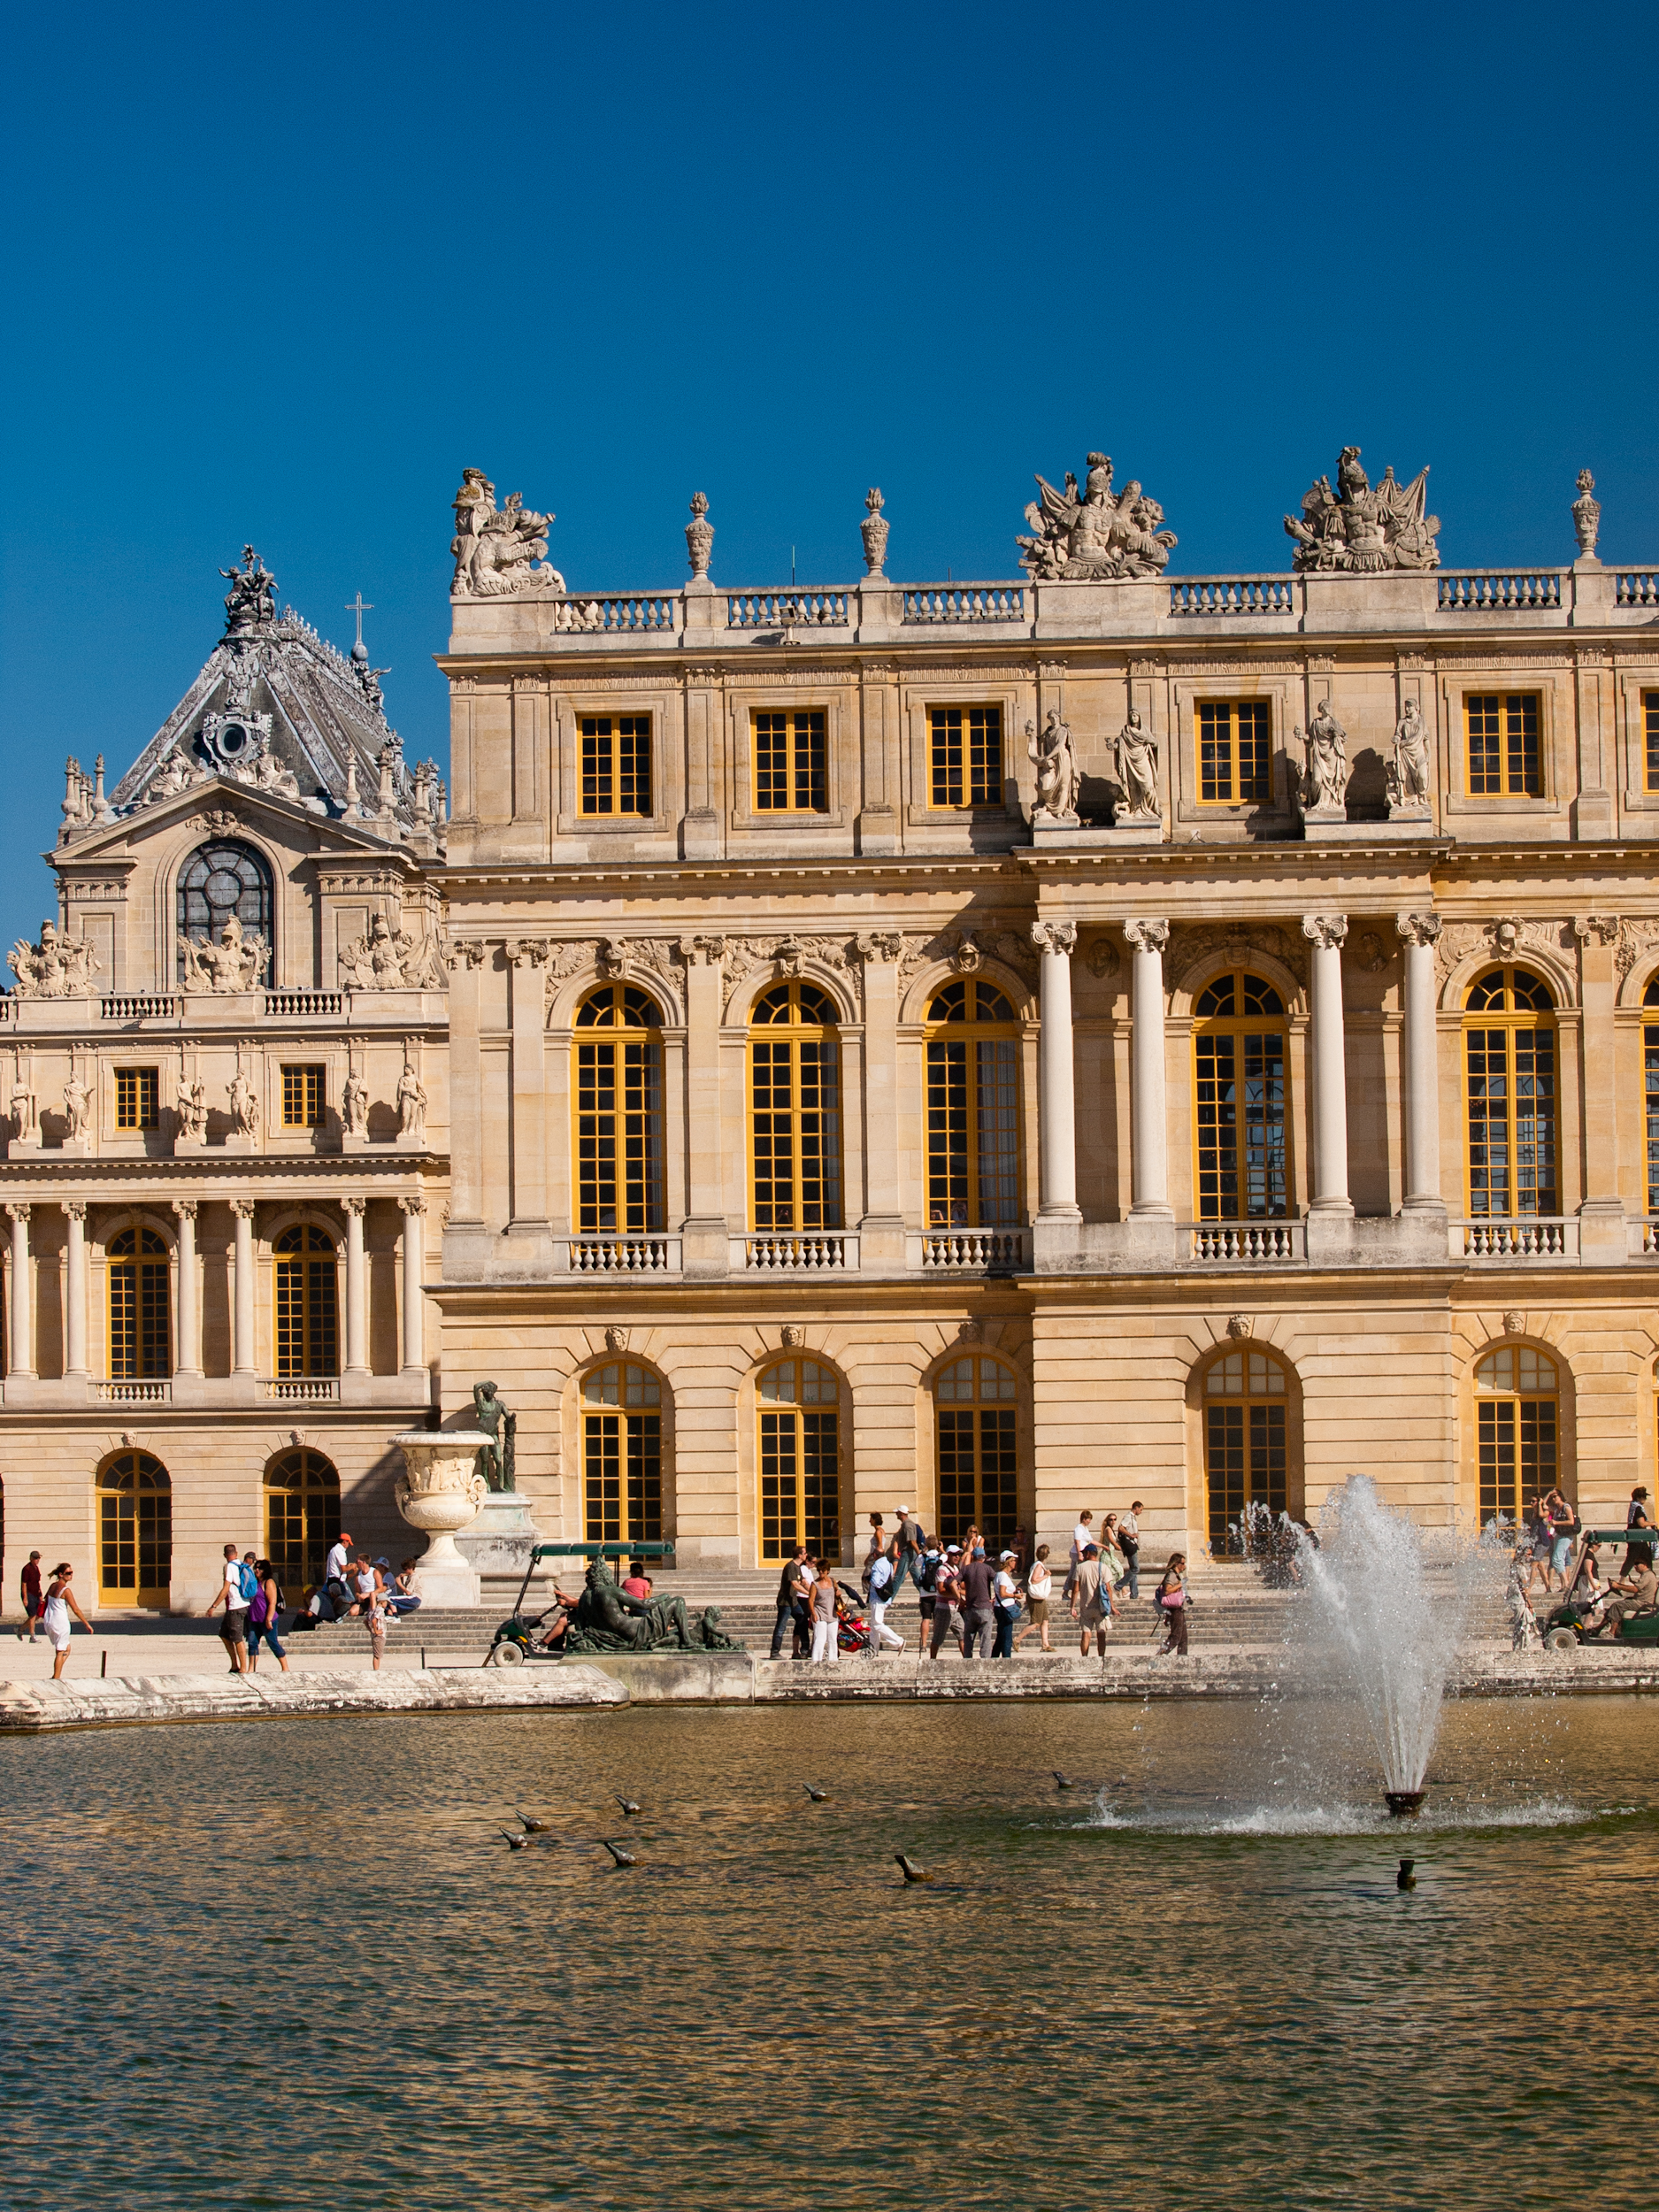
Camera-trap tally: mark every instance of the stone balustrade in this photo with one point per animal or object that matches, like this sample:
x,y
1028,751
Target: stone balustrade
x,y
1232,595
979,1251
1636,587
1530,1238
794,609
604,1254
608,612
800,1252
963,603
1496,590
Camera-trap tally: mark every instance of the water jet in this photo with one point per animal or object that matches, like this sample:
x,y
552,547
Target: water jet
x,y
1404,1804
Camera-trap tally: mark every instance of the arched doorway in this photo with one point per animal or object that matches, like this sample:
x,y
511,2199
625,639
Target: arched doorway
x,y
134,1531
1251,1444
622,1454
301,1516
1517,1431
798,1453
976,1450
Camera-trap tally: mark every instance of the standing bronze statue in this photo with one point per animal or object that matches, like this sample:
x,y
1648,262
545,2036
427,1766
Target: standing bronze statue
x,y
495,1458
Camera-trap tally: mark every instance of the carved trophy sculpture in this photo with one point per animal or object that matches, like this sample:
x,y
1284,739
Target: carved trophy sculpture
x,y
77,1107
191,1108
1325,784
1362,531
1407,774
244,1106
495,1458
1056,771
500,552
390,959
1095,535
236,963
605,1618
411,1108
1587,516
57,967
354,1104
1135,760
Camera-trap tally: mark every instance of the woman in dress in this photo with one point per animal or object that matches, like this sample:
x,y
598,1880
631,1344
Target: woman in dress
x,y
60,1603
1171,1604
1039,1587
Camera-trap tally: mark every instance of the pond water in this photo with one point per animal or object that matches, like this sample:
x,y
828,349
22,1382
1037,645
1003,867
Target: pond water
x,y
294,1962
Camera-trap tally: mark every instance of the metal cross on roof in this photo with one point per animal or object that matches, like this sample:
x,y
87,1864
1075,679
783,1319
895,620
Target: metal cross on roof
x,y
359,606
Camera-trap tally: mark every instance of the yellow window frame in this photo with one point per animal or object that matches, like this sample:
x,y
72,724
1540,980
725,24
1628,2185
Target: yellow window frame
x,y
797,1459
618,1122
971,1079
1232,751
307,1298
789,747
137,1098
794,1113
1650,741
614,766
1518,1047
1517,1431
139,1307
1249,1159
1504,744
964,756
304,1094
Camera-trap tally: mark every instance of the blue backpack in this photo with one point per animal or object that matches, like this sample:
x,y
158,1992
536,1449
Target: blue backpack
x,y
249,1583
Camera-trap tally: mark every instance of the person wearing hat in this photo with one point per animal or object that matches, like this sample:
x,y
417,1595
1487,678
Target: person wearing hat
x,y
946,1599
908,1547
336,1568
1005,1598
978,1626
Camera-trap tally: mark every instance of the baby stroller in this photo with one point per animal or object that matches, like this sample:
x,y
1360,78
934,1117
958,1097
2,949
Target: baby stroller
x,y
852,1631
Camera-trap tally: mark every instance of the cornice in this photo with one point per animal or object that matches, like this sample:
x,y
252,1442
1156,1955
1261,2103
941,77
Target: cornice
x,y
85,1173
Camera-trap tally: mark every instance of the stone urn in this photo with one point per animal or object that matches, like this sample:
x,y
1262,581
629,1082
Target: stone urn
x,y
439,1492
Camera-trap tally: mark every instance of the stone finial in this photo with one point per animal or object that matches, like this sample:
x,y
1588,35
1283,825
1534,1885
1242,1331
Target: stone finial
x,y
699,536
873,531
1587,516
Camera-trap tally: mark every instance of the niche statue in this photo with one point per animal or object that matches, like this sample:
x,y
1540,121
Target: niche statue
x,y
607,1619
495,1458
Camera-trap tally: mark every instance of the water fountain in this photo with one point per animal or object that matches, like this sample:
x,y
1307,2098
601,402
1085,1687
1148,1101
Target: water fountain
x,y
1393,1636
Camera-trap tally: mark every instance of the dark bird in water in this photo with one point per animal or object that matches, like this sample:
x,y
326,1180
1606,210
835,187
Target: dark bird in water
x,y
912,1872
816,1795
1062,1781
534,1827
514,1843
1406,1879
622,1857
628,1804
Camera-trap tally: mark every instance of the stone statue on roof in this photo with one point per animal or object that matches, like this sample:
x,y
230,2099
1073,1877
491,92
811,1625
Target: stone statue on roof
x,y
1098,536
251,599
57,967
1358,531
500,552
236,963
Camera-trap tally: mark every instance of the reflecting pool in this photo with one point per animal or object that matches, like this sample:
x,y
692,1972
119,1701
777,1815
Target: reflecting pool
x,y
294,1962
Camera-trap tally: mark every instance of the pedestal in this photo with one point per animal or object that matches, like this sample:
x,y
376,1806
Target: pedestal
x,y
1053,836
499,1541
236,1142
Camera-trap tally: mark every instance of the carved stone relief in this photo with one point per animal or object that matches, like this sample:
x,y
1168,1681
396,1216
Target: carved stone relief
x,y
1191,942
388,959
1095,535
1506,937
499,552
236,963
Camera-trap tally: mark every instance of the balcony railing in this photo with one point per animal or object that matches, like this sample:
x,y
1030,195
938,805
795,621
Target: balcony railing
x,y
159,1006
1535,1238
1496,590
1245,1243
1232,595
963,603
302,1390
624,1256
796,609
305,1001
124,1393
606,611
1001,1251
1641,1235
1636,587
800,1252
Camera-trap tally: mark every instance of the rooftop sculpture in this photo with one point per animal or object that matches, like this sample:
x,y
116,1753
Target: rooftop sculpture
x,y
500,552
1095,535
57,967
1362,531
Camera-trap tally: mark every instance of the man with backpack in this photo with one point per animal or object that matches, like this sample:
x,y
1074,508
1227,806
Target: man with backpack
x,y
235,1597
908,1547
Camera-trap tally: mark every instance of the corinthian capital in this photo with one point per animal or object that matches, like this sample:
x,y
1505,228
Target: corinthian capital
x,y
1421,930
1054,936
1327,931
880,944
531,952
703,952
1146,936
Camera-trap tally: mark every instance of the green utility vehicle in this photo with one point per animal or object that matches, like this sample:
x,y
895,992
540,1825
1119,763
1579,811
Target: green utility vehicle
x,y
1570,1625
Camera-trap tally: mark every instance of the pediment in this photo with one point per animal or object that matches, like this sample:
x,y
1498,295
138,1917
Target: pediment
x,y
222,806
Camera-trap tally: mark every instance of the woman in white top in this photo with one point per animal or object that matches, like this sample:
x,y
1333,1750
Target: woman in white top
x,y
881,1595
1039,1587
61,1603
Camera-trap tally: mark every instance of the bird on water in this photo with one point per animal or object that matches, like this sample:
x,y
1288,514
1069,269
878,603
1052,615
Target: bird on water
x,y
629,1805
911,1872
534,1827
514,1843
622,1857
1062,1781
814,1793
1406,1878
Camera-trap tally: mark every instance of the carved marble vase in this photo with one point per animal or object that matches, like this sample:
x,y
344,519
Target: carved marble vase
x,y
439,1492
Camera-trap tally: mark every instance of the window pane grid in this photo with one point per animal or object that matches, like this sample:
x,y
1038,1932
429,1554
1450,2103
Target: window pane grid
x,y
137,1098
307,1340
791,771
134,1530
1240,1110
1650,739
1235,751
302,1517
303,1097
1517,1457
620,1134
1650,1075
1504,759
794,1117
616,764
965,753
139,1307
800,1480
1510,1104
623,1478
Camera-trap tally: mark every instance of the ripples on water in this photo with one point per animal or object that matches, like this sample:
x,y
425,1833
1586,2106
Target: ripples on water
x,y
294,1963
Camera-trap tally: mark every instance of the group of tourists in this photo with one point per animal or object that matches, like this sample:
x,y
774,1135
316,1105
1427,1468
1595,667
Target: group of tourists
x,y
1603,1602
972,1593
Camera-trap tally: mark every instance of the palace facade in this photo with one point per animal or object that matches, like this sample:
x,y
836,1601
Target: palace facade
x,y
991,1047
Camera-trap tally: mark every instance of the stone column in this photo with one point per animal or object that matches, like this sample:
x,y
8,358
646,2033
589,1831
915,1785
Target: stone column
x,y
1149,1158
187,1354
465,958
414,1296
75,1291
242,1349
1601,1234
1326,932
526,965
1056,1103
703,1230
22,1306
357,1289
1421,933
881,1240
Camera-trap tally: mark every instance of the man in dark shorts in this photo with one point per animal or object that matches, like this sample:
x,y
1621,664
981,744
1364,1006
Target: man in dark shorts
x,y
32,1598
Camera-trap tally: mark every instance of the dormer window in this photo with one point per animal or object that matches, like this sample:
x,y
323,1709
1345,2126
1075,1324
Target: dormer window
x,y
219,880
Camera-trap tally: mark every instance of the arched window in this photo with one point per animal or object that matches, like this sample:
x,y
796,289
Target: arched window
x,y
1238,1101
618,1111
1650,1082
1517,1428
218,880
141,1332
794,1120
1509,1091
972,1109
134,1531
622,1454
977,1456
799,1456
1247,1441
301,1516
307,1304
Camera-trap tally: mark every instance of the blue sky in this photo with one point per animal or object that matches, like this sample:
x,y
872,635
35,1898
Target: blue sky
x,y
279,273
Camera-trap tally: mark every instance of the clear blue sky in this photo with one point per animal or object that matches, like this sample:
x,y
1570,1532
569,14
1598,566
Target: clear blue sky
x,y
277,273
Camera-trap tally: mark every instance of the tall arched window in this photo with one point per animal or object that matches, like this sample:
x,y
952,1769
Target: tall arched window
x,y
795,1117
301,1516
1518,1429
1510,1078
134,1531
1650,1084
977,1454
1238,1101
622,1454
218,880
1247,1440
973,1108
307,1303
140,1332
618,1111
799,1457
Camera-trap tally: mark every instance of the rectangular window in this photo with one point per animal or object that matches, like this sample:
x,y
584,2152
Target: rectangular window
x,y
623,1478
304,1097
1650,739
791,776
1236,740
137,1098
1242,1149
1650,1075
616,764
966,756
1510,1078
1503,755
